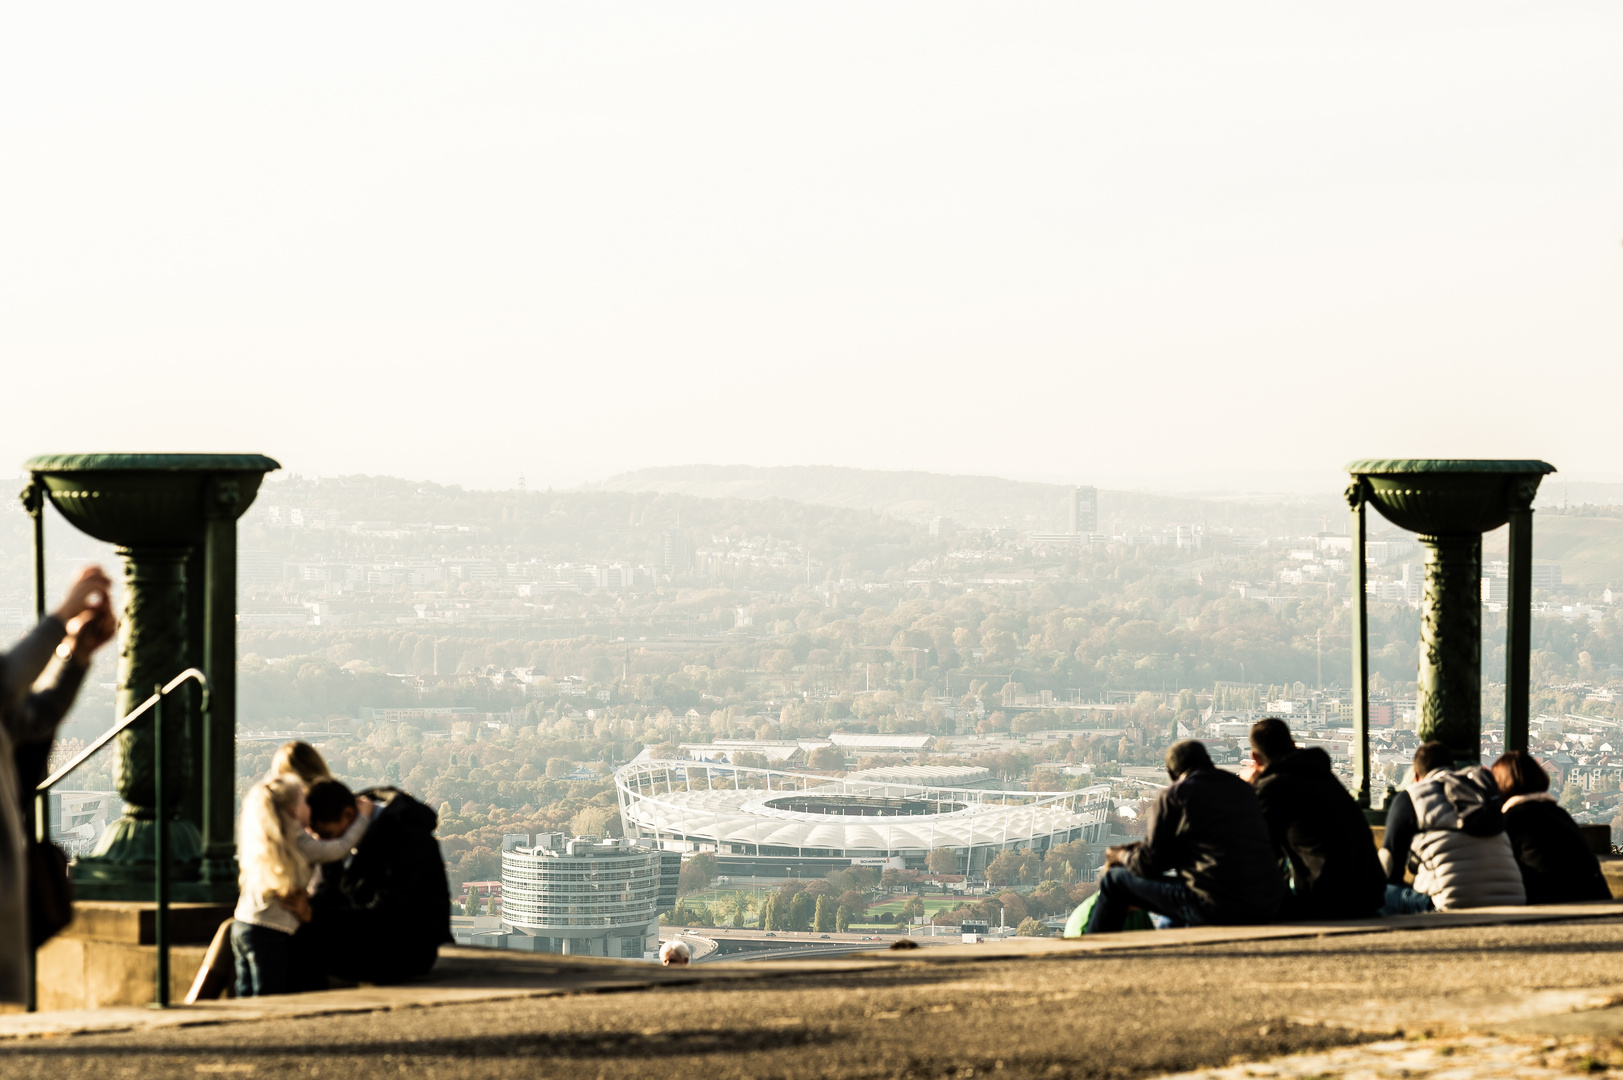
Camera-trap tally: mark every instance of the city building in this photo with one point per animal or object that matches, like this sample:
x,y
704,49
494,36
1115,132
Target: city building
x,y
1084,511
78,818
586,896
676,553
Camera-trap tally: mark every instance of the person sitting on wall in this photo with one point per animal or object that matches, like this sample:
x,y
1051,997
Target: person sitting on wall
x,y
381,914
1557,865
1206,857
1447,826
1317,829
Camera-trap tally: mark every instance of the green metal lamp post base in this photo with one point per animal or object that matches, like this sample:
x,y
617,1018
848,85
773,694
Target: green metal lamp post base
x,y
123,865
174,518
1451,503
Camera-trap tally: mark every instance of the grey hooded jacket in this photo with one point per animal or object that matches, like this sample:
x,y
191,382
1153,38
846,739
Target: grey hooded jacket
x,y
1457,869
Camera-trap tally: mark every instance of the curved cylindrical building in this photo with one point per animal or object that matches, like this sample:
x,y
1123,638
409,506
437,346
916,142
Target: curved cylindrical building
x,y
588,896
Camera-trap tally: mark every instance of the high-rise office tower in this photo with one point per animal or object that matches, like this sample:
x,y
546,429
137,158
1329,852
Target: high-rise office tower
x,y
1085,510
677,557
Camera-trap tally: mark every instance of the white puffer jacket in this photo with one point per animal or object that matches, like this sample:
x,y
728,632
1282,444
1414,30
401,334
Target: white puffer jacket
x,y
1458,870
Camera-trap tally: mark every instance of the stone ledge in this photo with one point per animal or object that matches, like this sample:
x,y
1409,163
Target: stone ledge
x,y
134,923
466,975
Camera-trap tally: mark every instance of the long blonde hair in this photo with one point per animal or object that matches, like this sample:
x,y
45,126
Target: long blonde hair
x,y
299,759
266,853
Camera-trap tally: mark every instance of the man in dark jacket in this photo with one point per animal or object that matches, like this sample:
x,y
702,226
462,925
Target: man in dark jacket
x,y
1316,827
1207,831
380,915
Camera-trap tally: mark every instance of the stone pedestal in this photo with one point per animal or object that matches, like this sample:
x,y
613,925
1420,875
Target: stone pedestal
x,y
106,956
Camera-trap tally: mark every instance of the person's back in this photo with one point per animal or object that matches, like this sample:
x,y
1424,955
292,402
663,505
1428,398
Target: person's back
x,y
1208,827
1557,865
1316,824
386,911
1457,867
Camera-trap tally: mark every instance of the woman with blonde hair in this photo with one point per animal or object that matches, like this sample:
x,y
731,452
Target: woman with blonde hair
x,y
273,878
303,761
298,764
278,858
300,759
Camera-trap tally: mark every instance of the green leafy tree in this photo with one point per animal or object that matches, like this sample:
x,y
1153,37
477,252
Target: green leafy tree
x,y
697,873
842,919
1572,798
771,915
739,905
827,759
823,917
1031,928
801,910
558,768
942,861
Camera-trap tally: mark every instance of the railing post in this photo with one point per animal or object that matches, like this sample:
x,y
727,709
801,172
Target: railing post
x,y
160,855
1356,500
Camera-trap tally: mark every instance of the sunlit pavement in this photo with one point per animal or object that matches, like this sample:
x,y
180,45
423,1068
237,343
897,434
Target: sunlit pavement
x,y
1498,994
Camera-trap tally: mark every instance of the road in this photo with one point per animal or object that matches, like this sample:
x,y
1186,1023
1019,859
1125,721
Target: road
x,y
1131,1013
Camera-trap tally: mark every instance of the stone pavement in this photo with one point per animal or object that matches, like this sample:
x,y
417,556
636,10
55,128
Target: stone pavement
x,y
1132,1005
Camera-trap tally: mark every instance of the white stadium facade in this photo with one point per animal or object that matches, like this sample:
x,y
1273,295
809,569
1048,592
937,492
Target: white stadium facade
x,y
772,823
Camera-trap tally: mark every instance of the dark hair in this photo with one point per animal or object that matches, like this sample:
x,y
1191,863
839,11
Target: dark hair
x,y
1186,755
1271,740
1430,756
328,799
1519,773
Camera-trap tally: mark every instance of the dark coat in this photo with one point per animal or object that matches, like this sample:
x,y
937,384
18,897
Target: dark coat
x,y
1557,865
1208,828
382,915
1316,825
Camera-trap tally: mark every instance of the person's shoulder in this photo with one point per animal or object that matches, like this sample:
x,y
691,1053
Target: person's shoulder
x,y
400,809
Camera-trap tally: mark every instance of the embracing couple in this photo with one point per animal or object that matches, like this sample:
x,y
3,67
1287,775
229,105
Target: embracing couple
x,y
334,885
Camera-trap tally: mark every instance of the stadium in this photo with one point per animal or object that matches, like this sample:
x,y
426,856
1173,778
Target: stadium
x,y
770,823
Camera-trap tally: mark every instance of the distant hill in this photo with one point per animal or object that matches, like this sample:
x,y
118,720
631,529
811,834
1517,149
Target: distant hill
x,y
977,501
1589,548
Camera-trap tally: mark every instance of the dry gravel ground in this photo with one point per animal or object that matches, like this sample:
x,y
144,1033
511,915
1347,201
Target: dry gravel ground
x,y
1102,1014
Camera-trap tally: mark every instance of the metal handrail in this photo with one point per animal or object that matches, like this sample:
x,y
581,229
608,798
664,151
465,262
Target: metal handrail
x,y
119,728
160,845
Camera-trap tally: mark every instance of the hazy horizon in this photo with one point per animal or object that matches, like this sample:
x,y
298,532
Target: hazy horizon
x,y
1134,247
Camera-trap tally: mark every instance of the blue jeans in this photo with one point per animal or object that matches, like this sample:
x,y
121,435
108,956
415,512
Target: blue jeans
x,y
263,959
1121,889
1402,900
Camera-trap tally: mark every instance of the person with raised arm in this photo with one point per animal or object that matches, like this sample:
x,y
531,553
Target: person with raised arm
x,y
39,679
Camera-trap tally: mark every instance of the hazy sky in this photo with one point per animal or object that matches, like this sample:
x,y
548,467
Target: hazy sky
x,y
1078,241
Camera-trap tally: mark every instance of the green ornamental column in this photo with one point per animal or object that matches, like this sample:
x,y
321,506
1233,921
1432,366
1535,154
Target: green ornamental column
x,y
170,515
1450,503
1450,681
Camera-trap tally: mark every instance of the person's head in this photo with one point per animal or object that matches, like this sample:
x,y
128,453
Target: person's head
x,y
273,813
332,808
1431,756
1519,773
1186,756
302,760
1270,741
